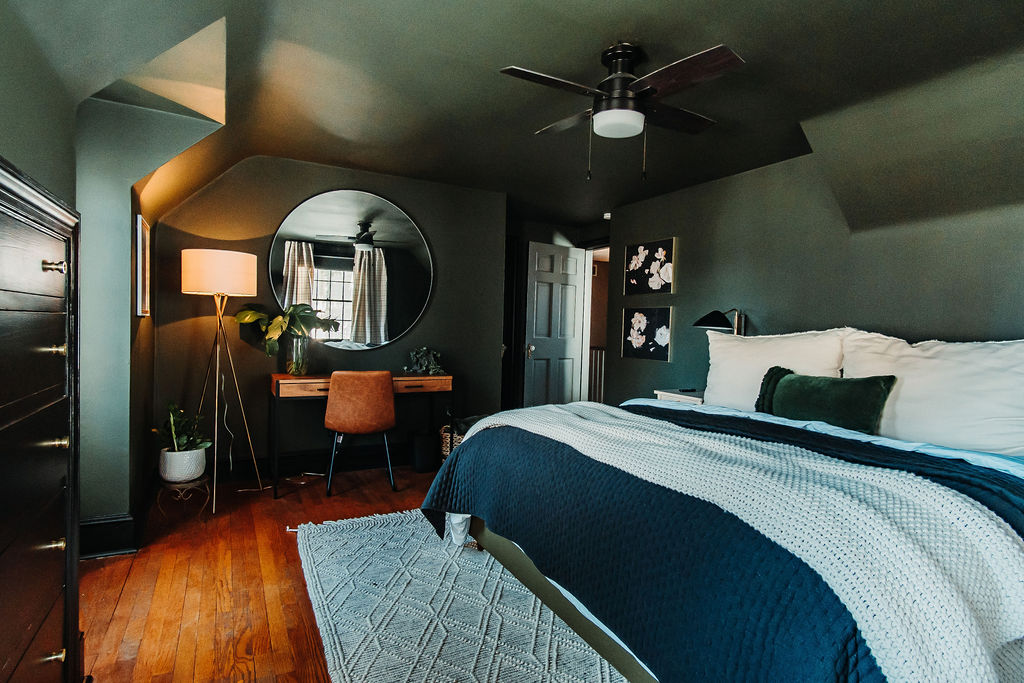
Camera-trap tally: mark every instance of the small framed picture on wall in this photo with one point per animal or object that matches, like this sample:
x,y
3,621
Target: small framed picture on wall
x,y
646,332
649,267
142,272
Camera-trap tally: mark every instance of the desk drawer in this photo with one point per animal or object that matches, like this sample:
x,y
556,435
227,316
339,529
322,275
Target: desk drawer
x,y
35,564
43,661
304,388
22,252
410,385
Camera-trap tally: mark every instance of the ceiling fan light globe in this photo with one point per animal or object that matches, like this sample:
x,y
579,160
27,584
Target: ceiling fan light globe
x,y
363,246
618,123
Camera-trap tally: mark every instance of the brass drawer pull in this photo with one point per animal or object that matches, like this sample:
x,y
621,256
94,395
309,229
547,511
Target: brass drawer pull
x,y
59,544
61,350
59,266
62,442
58,656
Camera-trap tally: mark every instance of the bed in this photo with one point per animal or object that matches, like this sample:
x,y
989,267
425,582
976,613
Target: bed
x,y
722,543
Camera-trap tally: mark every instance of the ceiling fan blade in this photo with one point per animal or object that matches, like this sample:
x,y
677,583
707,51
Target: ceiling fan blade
x,y
659,114
691,70
552,81
566,123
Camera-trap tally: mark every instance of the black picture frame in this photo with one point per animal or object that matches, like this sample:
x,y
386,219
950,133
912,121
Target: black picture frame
x,y
648,269
646,333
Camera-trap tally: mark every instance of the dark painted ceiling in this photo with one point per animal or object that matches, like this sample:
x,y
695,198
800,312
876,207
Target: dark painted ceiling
x,y
412,88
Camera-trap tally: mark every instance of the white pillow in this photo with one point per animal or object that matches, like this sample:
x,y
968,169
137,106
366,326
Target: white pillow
x,y
967,395
738,363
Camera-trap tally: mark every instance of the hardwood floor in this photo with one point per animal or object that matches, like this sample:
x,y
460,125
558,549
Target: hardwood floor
x,y
223,598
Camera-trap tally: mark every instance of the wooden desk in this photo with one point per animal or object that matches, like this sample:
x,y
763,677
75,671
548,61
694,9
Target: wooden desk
x,y
285,387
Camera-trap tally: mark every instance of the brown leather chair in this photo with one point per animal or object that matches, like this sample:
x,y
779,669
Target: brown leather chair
x,y
360,403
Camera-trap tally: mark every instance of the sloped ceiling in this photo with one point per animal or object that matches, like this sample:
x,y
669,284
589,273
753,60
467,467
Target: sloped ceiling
x,y
412,88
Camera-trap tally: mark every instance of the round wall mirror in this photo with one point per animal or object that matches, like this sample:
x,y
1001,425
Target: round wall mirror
x,y
357,258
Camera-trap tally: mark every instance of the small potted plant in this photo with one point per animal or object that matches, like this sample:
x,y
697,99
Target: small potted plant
x,y
183,457
295,324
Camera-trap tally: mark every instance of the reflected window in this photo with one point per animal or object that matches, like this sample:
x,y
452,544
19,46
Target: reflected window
x,y
332,295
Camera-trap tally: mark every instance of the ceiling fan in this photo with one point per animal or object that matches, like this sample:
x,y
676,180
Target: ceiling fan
x,y
361,241
623,102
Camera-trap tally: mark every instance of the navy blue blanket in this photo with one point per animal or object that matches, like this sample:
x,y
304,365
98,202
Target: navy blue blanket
x,y
695,592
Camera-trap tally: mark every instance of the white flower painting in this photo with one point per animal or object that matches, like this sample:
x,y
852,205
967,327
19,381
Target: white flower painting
x,y
649,267
646,333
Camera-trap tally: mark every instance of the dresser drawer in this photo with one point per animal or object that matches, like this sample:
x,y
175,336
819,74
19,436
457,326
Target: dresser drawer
x,y
410,385
23,249
33,466
43,661
33,344
32,571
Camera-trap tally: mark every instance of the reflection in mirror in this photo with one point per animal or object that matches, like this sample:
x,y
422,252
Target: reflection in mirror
x,y
357,258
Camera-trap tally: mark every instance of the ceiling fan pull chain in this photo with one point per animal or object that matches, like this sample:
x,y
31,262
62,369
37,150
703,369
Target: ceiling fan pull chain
x,y
590,148
643,163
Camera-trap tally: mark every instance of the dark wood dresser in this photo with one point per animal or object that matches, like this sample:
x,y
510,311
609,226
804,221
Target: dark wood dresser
x,y
39,636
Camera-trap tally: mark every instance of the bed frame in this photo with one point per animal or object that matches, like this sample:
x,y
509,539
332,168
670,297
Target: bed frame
x,y
516,561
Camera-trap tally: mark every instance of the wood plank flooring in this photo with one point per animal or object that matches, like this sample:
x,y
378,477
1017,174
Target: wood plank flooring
x,y
222,598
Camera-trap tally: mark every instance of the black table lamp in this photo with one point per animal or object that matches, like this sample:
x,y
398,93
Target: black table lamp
x,y
716,320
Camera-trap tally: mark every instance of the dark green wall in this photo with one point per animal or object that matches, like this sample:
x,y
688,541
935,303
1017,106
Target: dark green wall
x,y
37,116
241,210
774,243
116,145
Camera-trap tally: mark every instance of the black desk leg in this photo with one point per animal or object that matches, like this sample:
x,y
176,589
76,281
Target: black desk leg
x,y
272,432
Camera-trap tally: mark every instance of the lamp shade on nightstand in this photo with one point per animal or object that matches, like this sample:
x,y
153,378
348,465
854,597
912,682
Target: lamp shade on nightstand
x,y
217,271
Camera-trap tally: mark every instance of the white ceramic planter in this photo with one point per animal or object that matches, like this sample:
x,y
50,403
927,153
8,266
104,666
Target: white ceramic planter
x,y
179,466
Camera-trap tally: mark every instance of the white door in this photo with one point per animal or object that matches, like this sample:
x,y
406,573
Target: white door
x,y
555,316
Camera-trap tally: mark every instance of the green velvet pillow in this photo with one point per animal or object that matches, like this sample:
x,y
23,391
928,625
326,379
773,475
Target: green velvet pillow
x,y
849,402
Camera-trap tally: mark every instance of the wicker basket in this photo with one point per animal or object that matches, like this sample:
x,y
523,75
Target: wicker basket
x,y
449,441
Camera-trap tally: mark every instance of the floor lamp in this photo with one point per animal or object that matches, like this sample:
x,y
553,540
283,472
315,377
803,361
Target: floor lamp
x,y
221,274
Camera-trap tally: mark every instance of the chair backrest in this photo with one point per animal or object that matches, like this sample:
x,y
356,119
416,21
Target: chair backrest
x,y
360,402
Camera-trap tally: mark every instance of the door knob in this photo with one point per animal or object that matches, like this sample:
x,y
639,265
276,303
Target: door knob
x,y
530,348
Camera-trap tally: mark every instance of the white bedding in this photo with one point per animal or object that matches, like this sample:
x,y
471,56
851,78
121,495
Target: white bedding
x,y
934,580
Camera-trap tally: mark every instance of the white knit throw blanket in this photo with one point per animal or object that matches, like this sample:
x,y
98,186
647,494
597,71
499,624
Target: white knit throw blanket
x,y
934,580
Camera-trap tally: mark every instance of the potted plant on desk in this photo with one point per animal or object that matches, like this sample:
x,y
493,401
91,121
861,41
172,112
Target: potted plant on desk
x,y
294,324
183,457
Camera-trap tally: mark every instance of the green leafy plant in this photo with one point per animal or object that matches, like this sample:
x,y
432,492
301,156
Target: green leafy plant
x,y
180,431
297,320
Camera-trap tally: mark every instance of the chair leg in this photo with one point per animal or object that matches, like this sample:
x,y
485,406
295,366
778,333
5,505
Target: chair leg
x,y
387,454
334,448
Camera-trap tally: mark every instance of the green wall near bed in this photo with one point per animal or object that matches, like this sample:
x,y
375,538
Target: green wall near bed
x,y
775,243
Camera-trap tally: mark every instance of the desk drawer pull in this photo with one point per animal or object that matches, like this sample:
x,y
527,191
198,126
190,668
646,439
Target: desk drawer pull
x,y
58,266
414,386
323,388
58,656
59,544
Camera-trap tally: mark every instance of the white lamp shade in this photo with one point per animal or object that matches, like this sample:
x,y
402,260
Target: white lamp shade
x,y
216,271
618,123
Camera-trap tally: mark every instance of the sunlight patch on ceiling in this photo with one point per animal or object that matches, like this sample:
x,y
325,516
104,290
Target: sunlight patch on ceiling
x,y
192,73
302,84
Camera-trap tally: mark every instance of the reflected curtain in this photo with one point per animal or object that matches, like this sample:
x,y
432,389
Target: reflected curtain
x,y
370,298
298,273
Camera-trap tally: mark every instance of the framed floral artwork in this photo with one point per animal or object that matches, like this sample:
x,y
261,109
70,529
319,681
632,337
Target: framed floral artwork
x,y
649,267
646,332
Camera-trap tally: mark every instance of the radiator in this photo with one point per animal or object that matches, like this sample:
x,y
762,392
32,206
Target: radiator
x,y
595,392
